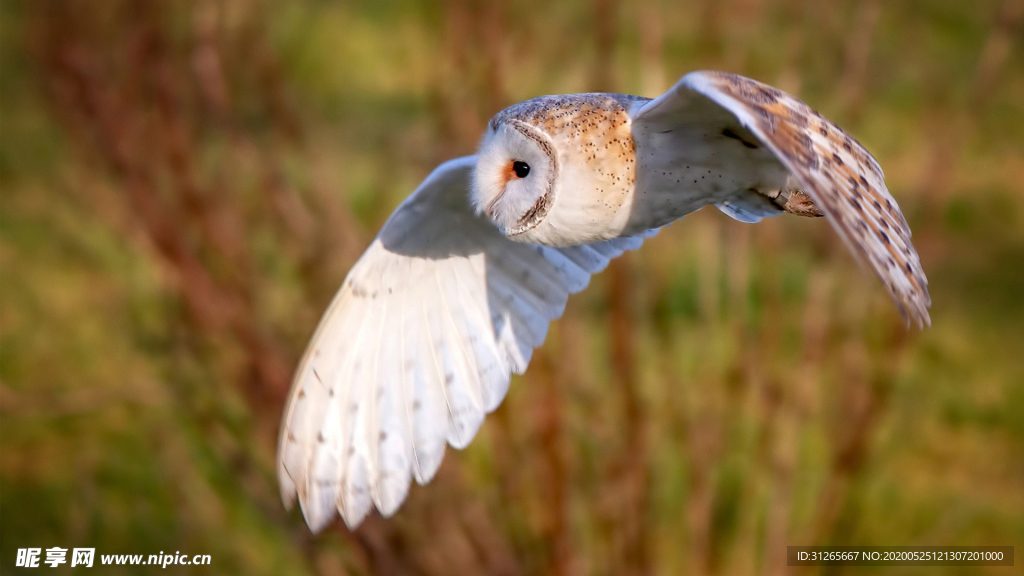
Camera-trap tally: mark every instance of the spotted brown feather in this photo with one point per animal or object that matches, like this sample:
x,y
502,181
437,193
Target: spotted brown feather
x,y
838,173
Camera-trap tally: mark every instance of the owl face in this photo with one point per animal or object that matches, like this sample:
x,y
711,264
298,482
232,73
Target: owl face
x,y
558,170
514,180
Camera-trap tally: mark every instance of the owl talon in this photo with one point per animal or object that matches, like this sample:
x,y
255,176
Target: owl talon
x,y
802,205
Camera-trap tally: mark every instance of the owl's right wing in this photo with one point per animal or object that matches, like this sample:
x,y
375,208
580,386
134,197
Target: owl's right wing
x,y
728,136
417,346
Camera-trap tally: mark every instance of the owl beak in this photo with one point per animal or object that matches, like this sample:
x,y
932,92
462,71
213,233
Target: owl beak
x,y
506,175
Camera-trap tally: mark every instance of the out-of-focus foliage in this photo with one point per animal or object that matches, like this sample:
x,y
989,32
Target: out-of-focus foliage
x,y
184,185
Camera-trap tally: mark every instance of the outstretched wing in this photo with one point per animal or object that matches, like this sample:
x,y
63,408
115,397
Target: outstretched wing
x,y
804,151
417,346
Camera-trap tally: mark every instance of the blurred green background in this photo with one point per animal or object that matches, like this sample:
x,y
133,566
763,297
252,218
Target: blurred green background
x,y
185,184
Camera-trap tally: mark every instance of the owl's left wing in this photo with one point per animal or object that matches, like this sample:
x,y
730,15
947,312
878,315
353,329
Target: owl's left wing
x,y
417,346
724,122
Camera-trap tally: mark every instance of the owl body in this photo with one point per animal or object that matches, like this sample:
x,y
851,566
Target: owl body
x,y
614,178
719,162
459,287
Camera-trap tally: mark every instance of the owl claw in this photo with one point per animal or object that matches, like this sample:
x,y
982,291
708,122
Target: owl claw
x,y
800,204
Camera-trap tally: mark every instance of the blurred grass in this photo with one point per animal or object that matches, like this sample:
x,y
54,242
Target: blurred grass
x,y
184,185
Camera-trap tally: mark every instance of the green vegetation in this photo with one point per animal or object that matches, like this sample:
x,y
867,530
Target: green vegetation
x,y
185,184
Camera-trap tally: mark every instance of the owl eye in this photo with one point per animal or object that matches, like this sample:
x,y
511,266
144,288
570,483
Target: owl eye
x,y
522,169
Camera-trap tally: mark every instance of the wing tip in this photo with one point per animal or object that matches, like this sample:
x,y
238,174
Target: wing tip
x,y
320,516
921,319
316,515
318,521
426,466
286,485
353,512
914,310
392,496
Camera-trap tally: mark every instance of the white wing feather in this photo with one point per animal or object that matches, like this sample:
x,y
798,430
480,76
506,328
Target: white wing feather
x,y
417,346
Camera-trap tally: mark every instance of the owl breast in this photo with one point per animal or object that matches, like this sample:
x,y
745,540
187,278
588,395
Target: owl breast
x,y
592,134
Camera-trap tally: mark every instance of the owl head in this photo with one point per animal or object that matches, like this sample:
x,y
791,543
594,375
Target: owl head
x,y
514,180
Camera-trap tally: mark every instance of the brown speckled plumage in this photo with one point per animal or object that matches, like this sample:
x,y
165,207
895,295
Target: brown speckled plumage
x,y
845,181
593,130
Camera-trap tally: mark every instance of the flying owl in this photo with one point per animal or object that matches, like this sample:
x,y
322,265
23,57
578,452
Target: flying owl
x,y
458,288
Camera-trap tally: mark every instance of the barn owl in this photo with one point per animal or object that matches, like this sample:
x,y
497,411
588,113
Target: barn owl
x,y
458,288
